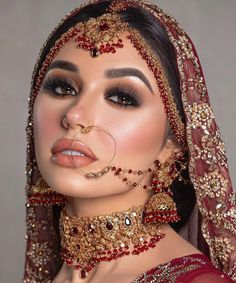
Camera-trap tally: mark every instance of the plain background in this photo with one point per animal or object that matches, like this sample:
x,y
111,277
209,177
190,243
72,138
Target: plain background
x,y
25,24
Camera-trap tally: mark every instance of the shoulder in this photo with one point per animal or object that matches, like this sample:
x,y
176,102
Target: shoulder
x,y
173,247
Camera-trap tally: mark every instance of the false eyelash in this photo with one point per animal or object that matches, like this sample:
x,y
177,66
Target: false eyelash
x,y
127,93
52,83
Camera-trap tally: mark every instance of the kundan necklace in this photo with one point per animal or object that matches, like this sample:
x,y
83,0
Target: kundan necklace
x,y
87,241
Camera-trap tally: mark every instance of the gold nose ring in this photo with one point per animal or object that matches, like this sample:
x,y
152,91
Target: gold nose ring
x,y
107,168
85,130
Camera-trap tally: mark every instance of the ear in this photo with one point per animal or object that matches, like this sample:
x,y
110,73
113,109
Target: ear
x,y
169,147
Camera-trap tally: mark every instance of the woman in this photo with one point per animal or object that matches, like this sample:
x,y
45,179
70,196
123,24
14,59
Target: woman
x,y
124,155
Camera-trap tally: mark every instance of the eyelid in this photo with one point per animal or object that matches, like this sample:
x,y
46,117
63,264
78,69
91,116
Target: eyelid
x,y
124,87
128,91
67,80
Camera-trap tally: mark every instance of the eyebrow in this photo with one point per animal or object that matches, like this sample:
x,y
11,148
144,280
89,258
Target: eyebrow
x,y
65,65
125,72
111,73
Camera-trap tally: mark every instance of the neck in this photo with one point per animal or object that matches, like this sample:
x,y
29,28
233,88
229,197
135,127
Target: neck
x,y
105,205
89,241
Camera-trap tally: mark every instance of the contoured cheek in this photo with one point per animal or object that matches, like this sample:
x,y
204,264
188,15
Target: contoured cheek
x,y
46,119
141,137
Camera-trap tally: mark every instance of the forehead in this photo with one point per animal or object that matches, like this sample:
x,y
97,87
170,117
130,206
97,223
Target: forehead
x,y
126,57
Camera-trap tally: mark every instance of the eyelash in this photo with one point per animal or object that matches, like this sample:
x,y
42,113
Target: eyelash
x,y
52,84
125,94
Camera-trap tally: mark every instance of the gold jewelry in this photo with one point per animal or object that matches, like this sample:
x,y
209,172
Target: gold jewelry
x,y
170,170
85,130
123,175
100,35
86,241
161,206
42,194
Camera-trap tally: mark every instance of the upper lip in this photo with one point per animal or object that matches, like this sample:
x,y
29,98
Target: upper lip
x,y
66,144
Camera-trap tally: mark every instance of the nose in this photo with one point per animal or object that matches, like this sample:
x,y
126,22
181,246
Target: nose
x,y
80,112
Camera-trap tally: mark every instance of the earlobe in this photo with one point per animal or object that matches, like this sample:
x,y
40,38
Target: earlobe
x,y
168,149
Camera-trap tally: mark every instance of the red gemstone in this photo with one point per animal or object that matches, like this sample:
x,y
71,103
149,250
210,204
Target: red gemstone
x,y
94,52
109,226
83,273
91,228
74,230
104,27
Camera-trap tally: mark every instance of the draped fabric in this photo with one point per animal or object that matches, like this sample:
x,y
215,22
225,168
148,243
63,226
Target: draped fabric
x,y
194,268
208,168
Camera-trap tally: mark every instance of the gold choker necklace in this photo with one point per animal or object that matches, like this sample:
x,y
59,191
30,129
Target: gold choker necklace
x,y
87,241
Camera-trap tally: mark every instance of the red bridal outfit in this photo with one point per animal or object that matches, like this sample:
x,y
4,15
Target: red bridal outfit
x,y
196,268
212,226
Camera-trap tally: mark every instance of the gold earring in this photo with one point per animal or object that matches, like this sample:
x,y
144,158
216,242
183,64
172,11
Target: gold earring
x,y
161,206
42,194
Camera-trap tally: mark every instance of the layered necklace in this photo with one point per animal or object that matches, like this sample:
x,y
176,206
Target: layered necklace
x,y
87,241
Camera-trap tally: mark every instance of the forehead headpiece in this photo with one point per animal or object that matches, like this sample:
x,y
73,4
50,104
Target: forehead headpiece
x,y
207,165
100,35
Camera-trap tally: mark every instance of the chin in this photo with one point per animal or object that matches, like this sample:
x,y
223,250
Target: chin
x,y
72,183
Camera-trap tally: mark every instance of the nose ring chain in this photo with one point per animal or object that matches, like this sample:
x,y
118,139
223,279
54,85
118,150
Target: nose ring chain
x,y
85,130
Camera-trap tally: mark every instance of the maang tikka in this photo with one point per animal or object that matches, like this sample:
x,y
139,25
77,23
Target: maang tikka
x,y
100,35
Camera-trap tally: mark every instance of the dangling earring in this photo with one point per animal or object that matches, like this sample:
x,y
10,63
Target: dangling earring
x,y
42,194
161,206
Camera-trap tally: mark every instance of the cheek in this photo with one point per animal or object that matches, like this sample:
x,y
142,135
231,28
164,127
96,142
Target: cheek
x,y
142,134
45,119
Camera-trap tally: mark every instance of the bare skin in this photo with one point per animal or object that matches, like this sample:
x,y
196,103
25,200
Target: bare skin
x,y
140,135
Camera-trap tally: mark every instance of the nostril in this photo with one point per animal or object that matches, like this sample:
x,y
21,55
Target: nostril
x,y
64,123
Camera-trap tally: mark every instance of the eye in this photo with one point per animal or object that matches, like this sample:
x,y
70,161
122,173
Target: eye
x,y
123,97
59,87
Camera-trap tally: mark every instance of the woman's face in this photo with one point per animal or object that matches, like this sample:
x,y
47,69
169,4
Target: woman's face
x,y
93,90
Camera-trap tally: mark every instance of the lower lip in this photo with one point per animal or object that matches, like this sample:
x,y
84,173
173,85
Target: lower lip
x,y
71,161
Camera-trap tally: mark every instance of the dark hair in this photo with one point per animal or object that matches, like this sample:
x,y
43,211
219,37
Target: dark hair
x,y
156,36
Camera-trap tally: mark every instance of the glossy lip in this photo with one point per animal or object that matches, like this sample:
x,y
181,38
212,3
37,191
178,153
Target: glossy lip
x,y
72,161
